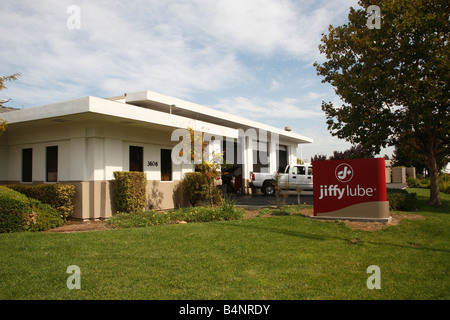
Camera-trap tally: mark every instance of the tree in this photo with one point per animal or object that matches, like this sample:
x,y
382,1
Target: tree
x,y
393,81
355,152
2,87
2,126
319,157
209,166
405,155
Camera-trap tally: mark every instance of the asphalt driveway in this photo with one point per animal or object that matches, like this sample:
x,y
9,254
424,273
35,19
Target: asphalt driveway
x,y
306,197
260,200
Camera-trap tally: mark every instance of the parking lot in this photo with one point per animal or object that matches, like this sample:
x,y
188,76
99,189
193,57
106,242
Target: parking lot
x,y
306,197
260,200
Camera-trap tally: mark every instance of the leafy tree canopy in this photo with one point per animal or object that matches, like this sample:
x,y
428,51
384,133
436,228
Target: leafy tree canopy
x,y
4,79
394,81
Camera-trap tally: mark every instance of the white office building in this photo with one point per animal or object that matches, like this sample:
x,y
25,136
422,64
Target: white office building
x,y
83,141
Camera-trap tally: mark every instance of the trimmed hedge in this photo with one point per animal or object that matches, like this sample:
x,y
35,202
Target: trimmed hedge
x,y
130,191
15,211
58,196
19,213
196,189
401,200
44,217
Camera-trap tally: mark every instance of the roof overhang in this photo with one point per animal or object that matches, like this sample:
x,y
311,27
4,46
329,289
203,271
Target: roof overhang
x,y
91,108
147,108
175,106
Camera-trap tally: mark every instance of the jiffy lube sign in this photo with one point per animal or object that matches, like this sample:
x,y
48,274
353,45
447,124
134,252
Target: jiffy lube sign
x,y
350,188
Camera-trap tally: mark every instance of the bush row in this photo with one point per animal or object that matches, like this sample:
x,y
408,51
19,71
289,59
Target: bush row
x,y
227,211
444,183
130,190
58,196
19,213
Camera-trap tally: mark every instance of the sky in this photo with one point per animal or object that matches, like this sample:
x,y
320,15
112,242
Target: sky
x,y
252,58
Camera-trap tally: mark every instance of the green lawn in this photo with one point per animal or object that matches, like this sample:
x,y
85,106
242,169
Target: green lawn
x,y
280,257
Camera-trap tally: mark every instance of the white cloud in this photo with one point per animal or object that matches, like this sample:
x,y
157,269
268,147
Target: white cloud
x,y
313,95
263,109
179,48
113,52
262,26
274,85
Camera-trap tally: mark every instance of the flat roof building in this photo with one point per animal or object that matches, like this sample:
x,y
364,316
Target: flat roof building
x,y
83,141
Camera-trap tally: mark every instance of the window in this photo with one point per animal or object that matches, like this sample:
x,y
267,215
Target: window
x,y
310,171
52,164
27,165
136,159
298,170
282,158
166,165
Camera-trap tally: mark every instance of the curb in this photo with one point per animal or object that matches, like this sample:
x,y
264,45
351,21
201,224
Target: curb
x,y
353,219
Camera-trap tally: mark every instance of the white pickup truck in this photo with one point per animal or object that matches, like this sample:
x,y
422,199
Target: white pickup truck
x,y
294,177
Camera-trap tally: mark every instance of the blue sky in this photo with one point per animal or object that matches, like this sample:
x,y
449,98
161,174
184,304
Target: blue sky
x,y
252,58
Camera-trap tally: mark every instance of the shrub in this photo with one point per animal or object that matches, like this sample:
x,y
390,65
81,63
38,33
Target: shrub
x,y
15,211
413,182
424,183
229,211
130,191
196,189
44,217
19,213
444,183
401,200
194,214
58,196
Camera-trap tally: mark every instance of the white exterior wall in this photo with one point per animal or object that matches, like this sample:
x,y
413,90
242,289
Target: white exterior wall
x,y
92,151
292,154
112,148
273,157
94,156
77,159
12,171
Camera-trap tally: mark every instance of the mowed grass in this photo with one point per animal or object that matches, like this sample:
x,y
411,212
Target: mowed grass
x,y
280,257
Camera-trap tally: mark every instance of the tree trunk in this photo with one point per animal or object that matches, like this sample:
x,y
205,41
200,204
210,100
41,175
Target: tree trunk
x,y
434,180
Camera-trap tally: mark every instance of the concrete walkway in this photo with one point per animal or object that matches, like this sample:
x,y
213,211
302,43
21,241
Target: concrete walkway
x,y
396,185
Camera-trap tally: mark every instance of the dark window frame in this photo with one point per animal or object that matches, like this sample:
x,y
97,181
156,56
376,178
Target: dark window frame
x,y
27,165
166,165
136,158
51,163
